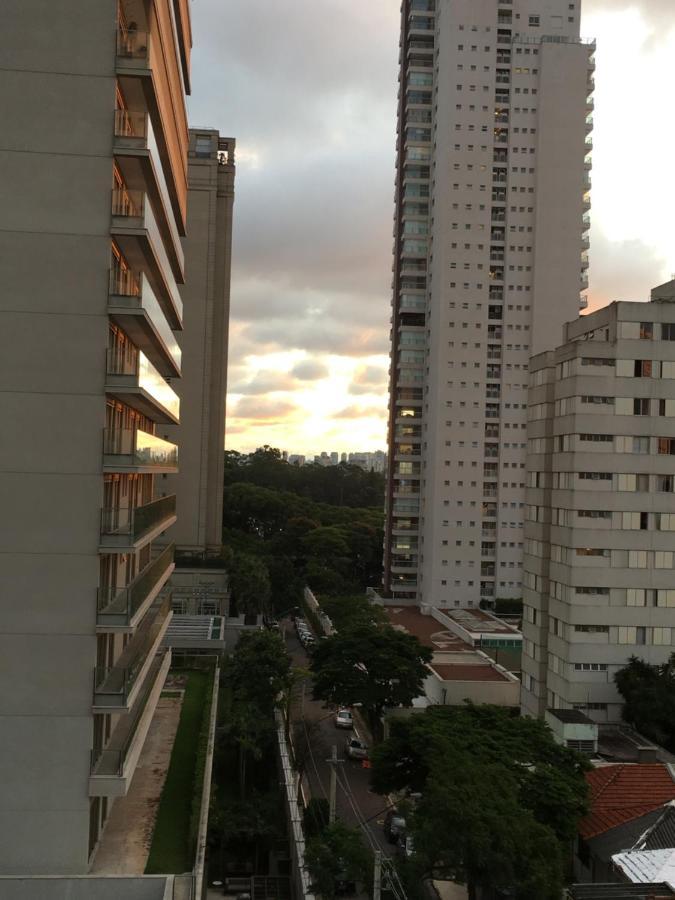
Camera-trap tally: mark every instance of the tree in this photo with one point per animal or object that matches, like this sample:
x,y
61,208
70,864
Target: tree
x,y
370,665
500,783
470,827
337,854
258,673
649,699
249,584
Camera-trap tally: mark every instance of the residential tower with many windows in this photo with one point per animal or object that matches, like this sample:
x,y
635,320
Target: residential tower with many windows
x,y
599,560
491,233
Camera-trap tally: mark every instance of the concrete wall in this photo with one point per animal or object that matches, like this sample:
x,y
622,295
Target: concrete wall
x,y
57,98
148,887
203,384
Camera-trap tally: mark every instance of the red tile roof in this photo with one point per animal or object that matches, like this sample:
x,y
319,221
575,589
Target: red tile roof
x,y
621,793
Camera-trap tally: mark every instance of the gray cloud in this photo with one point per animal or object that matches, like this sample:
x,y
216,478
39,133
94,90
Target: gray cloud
x,y
360,412
622,270
267,410
264,383
310,370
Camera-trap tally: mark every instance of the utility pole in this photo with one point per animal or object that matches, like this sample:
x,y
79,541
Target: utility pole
x,y
377,877
333,784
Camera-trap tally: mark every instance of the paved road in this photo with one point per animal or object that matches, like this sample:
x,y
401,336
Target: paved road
x,y
356,804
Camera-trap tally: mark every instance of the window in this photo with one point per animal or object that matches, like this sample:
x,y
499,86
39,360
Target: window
x,y
591,551
661,636
203,146
600,591
597,438
646,331
668,331
590,667
641,406
667,446
664,483
595,476
533,21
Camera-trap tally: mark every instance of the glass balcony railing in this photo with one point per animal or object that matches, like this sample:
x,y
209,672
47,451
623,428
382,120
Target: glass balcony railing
x,y
132,44
140,373
118,606
113,685
134,447
110,762
130,124
132,211
133,290
130,525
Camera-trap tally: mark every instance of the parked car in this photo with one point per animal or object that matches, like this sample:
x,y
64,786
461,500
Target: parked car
x,y
394,826
270,624
405,845
307,639
343,719
355,748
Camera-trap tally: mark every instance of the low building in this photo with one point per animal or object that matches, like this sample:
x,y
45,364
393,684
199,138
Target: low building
x,y
459,670
573,729
626,801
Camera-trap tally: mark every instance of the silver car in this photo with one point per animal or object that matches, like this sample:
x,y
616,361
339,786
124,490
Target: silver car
x,y
355,748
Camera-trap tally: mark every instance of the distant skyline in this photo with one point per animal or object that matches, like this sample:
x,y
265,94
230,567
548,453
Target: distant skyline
x,y
309,91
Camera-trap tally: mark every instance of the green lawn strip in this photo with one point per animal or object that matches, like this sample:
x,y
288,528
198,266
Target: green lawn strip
x,y
171,850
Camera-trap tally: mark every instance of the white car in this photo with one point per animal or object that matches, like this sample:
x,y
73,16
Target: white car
x,y
355,748
343,719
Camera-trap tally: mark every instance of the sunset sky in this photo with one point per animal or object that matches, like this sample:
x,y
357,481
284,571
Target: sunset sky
x,y
308,89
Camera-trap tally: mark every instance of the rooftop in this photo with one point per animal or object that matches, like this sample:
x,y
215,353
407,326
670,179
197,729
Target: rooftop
x,y
462,672
647,866
478,621
571,716
623,792
621,892
426,629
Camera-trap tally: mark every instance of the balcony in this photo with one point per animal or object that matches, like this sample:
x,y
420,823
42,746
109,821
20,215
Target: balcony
x,y
133,450
124,607
583,302
144,75
139,237
136,382
117,687
113,768
133,306
137,156
125,530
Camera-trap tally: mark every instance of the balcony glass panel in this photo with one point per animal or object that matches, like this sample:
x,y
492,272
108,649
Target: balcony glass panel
x,y
132,44
110,761
145,376
134,523
133,290
143,448
118,606
113,685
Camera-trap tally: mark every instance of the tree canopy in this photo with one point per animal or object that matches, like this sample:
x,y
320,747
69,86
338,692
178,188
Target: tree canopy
x,y
375,666
306,525
337,854
500,798
649,699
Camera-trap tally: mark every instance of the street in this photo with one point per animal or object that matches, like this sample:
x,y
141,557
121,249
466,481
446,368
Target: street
x,y
356,805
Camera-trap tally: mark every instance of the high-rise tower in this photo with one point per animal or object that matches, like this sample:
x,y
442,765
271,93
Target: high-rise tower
x,y
491,227
93,170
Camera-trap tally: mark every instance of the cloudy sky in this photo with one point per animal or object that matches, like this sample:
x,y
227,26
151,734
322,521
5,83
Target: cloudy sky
x,y
308,88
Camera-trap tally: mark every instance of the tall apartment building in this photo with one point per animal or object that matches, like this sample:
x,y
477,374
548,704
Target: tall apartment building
x,y
598,582
203,383
93,171
491,221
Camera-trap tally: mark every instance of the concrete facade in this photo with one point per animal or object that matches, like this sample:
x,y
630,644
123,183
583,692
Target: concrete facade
x,y
599,551
203,383
489,262
92,190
